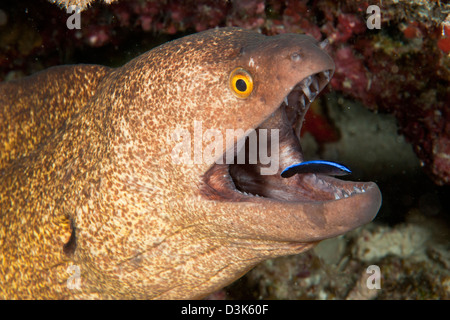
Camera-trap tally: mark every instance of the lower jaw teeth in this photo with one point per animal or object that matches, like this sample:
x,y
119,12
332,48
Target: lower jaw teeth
x,y
345,194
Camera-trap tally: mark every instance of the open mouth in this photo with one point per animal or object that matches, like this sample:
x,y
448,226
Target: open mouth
x,y
244,182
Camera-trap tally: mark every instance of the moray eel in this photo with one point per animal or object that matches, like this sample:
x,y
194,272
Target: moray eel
x,y
89,180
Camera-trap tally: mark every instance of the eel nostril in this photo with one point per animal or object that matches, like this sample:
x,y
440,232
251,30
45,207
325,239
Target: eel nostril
x,y
324,44
296,57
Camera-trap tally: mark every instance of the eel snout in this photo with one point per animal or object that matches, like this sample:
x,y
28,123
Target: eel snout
x,y
306,207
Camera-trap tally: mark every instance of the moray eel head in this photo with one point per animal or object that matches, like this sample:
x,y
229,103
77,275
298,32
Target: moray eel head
x,y
169,170
253,89
288,72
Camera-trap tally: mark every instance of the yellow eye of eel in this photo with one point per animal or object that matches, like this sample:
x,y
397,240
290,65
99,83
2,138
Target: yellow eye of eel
x,y
241,83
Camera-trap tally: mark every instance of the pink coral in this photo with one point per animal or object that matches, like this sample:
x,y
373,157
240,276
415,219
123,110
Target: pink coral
x,y
350,75
347,26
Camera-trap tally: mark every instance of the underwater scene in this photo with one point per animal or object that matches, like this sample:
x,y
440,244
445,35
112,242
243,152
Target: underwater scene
x,y
106,191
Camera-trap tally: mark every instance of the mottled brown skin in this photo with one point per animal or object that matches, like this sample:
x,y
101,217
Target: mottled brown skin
x,y
87,176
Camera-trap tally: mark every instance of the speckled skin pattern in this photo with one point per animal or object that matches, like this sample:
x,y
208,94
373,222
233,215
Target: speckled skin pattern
x,y
87,177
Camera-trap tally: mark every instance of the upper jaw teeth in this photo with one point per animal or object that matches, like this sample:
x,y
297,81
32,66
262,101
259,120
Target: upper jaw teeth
x,y
302,101
315,84
309,87
307,82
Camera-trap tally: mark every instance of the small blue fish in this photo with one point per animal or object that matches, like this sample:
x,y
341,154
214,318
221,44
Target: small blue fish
x,y
316,166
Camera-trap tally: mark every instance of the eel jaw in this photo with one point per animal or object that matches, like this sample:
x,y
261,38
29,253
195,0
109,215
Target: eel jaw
x,y
245,183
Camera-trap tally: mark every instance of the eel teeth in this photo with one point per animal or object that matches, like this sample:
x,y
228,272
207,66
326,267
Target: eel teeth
x,y
338,193
302,101
306,91
310,87
307,81
315,84
312,96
